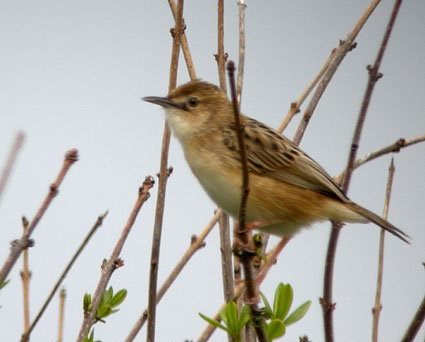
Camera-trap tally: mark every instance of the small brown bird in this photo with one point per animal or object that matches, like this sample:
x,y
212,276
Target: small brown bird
x,y
288,190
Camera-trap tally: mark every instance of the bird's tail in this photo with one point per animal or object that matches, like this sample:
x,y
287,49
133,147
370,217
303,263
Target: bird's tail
x,y
379,221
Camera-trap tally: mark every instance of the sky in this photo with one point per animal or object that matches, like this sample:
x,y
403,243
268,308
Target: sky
x,y
72,76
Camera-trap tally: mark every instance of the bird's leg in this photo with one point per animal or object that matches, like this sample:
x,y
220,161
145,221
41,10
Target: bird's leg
x,y
250,247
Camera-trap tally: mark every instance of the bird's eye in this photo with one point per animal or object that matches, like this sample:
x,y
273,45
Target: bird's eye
x,y
193,102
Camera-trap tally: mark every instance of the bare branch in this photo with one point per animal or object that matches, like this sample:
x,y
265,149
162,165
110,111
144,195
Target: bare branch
x,y
62,297
340,53
26,277
19,139
327,301
295,106
393,148
241,232
377,307
184,44
416,324
241,62
221,57
163,177
28,330
19,245
194,246
108,267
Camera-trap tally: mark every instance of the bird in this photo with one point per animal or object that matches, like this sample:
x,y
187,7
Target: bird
x,y
288,190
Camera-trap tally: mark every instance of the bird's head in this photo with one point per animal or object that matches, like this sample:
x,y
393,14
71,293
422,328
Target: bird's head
x,y
194,108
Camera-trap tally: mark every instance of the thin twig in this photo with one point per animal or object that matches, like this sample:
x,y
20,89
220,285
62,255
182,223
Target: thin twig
x,y
245,173
62,297
224,224
108,267
19,245
295,106
327,300
28,330
184,44
17,144
393,148
340,53
245,256
416,323
226,258
241,62
221,57
209,330
163,176
194,246
26,277
377,307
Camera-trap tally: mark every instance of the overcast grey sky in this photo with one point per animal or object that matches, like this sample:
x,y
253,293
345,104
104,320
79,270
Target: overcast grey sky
x,y
72,75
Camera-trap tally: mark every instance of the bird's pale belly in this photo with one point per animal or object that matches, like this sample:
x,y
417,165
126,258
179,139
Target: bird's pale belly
x,y
284,206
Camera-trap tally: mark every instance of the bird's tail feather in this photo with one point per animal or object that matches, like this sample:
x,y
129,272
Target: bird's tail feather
x,y
379,221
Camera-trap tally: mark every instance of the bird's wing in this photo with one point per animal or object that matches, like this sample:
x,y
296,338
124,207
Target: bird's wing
x,y
272,155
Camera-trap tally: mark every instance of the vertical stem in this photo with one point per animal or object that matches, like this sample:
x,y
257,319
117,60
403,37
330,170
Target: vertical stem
x,y
163,176
26,276
245,256
221,56
241,63
377,307
62,296
327,300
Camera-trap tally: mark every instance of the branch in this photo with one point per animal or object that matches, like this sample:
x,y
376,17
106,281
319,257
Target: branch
x,y
327,301
241,62
19,245
108,267
246,256
264,267
417,321
223,223
163,176
19,139
340,53
62,296
221,57
377,307
393,148
295,106
195,246
26,277
99,222
184,44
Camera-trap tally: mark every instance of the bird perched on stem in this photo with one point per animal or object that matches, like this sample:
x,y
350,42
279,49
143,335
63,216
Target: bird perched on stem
x,y
288,189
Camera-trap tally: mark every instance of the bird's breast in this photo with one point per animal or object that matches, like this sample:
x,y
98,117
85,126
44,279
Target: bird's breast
x,y
218,176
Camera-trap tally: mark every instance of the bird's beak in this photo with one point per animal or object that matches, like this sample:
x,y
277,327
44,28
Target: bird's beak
x,y
162,101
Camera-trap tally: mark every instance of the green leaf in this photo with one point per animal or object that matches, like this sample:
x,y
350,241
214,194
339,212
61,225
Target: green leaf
x,y
4,283
118,298
212,322
108,294
244,317
103,311
90,337
87,302
267,307
275,329
231,318
282,301
298,313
